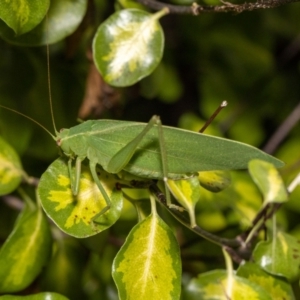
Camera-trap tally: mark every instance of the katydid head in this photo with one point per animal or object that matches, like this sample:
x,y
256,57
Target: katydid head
x,y
60,136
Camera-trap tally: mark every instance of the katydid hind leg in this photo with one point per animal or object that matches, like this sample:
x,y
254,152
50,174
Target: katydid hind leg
x,y
164,160
121,158
119,161
102,191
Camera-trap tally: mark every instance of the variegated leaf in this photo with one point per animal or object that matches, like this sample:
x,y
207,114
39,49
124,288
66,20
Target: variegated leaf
x,y
187,193
148,265
11,171
279,256
269,181
23,15
128,46
215,285
277,287
75,214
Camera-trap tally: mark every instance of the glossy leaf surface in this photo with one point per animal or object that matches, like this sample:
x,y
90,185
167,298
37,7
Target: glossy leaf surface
x,y
277,287
214,285
23,15
63,18
280,256
269,181
74,214
25,252
11,171
148,265
128,46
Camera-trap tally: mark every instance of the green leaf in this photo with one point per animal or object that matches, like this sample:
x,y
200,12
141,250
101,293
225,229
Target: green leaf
x,y
74,214
69,257
62,20
187,193
128,46
40,296
280,256
23,15
25,252
148,265
215,181
215,286
277,288
269,181
11,171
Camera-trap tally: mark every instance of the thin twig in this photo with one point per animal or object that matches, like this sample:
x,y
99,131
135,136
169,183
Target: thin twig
x,y
196,9
212,117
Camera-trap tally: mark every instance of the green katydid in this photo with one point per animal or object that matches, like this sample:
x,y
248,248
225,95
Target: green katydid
x,y
149,151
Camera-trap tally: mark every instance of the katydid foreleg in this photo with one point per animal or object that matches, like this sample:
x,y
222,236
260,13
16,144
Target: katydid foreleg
x,y
75,182
101,189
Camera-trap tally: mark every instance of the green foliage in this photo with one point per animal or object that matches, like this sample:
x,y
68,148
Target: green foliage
x,y
177,67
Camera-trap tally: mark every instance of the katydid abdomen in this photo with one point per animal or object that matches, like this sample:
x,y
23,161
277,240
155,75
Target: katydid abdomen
x,y
187,151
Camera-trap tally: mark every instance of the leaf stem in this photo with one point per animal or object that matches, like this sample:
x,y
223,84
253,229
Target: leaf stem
x,y
233,243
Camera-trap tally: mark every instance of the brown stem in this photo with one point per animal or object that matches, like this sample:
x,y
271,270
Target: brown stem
x,y
196,9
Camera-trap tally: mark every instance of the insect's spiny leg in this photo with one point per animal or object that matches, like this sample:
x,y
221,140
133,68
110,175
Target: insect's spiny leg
x,y
164,159
101,188
74,181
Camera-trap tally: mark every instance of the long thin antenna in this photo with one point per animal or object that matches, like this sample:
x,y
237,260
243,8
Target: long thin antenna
x,y
48,75
32,120
221,106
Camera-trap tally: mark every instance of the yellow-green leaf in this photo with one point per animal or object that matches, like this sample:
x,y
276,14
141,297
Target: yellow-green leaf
x,y
23,15
11,171
269,181
187,193
74,214
25,252
68,261
279,256
148,265
215,285
128,46
277,287
63,18
215,181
